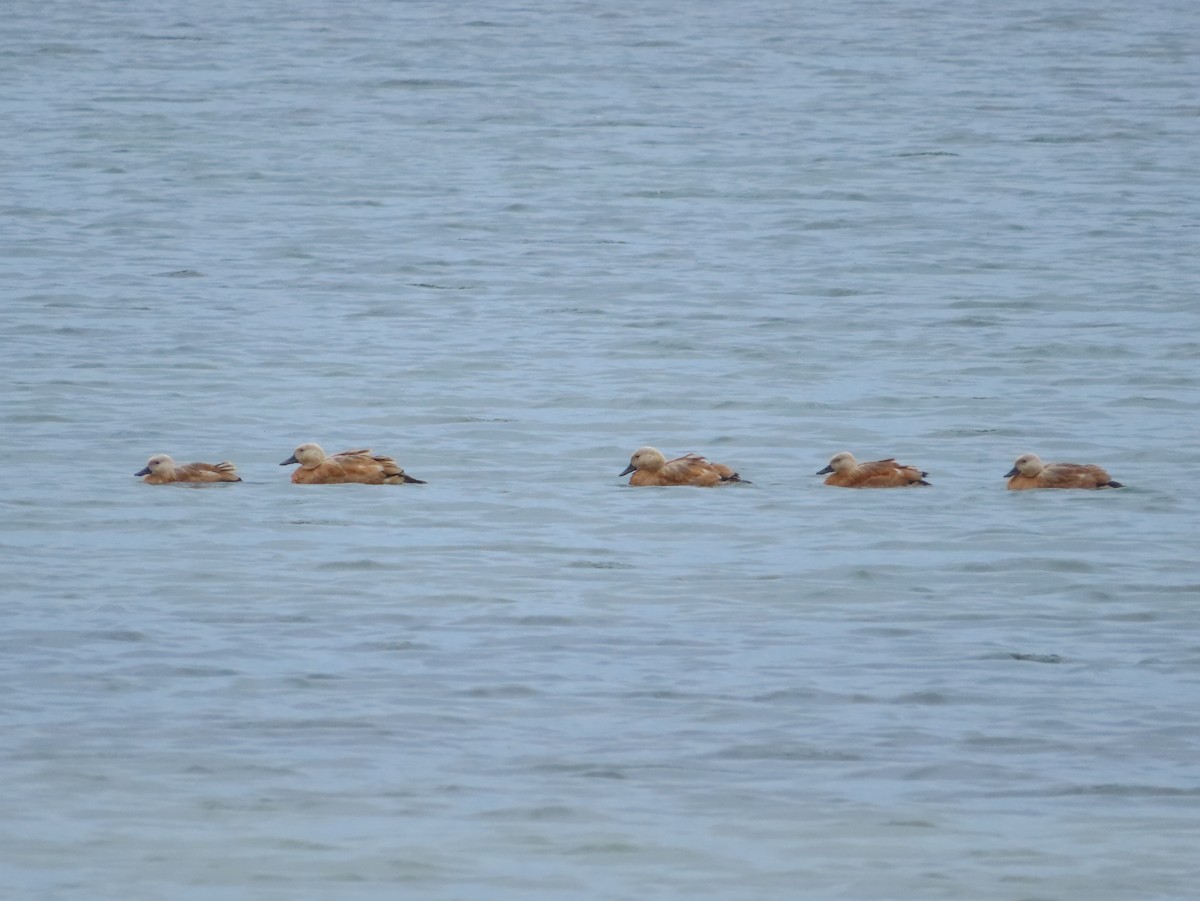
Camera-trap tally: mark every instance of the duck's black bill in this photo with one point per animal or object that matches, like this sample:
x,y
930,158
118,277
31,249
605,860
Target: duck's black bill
x,y
289,461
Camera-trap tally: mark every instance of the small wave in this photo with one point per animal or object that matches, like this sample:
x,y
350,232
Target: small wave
x,y
784,752
355,565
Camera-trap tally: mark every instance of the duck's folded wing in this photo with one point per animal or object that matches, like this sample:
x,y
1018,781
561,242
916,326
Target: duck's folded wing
x,y
1074,474
725,472
200,467
877,469
200,470
690,469
879,465
389,466
688,464
885,473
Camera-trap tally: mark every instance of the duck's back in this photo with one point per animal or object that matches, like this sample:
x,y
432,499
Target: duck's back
x,y
200,472
691,469
1074,475
877,474
351,467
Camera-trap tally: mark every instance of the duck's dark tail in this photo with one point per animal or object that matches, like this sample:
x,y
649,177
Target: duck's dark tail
x,y
1114,485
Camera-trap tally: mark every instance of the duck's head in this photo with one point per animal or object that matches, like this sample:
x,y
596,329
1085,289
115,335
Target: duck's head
x,y
839,462
647,458
156,464
308,456
1028,465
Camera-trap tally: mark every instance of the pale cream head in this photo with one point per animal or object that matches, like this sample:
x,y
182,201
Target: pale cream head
x,y
160,463
309,456
843,461
1029,465
648,458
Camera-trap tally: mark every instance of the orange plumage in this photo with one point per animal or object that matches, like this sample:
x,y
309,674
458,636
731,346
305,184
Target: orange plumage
x,y
1030,472
161,470
356,466
849,473
650,467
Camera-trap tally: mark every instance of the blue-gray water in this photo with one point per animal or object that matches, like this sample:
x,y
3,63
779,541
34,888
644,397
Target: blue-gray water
x,y
509,243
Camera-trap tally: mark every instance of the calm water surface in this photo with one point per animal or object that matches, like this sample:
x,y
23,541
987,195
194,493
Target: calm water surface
x,y
508,244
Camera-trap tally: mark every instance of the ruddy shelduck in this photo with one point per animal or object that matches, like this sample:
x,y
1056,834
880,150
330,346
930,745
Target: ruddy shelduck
x,y
161,470
1030,472
359,466
849,473
650,467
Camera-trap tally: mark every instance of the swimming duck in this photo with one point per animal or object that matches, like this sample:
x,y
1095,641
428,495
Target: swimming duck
x,y
161,469
1030,472
359,466
650,467
849,473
